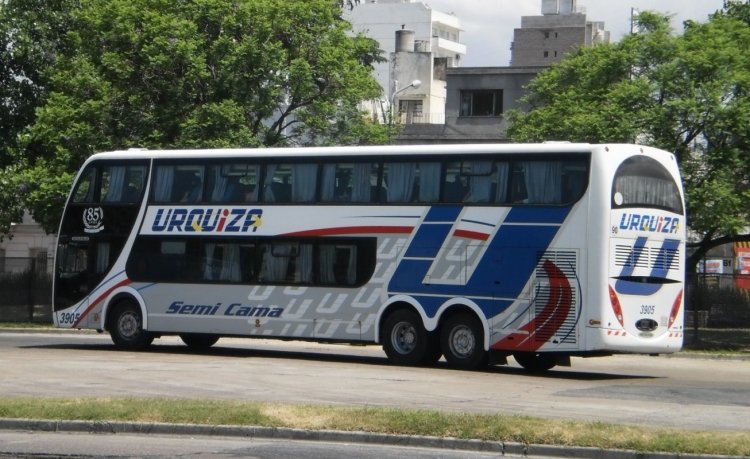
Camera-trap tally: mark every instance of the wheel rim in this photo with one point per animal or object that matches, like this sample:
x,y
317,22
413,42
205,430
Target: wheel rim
x,y
462,342
404,337
129,325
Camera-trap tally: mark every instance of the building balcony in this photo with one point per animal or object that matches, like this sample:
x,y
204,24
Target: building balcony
x,y
420,118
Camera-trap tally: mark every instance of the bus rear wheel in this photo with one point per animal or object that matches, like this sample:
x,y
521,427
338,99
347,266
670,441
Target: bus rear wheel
x,y
126,327
405,340
462,342
535,362
199,341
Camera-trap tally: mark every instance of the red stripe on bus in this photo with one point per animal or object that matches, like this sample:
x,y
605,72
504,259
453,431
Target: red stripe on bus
x,y
537,332
471,234
99,299
354,230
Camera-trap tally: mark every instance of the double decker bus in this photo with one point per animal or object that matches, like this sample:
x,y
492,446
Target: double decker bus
x,y
473,253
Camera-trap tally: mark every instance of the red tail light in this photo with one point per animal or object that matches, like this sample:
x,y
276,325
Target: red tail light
x,y
676,306
616,305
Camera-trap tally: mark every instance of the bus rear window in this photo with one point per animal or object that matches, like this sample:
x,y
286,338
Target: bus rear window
x,y
641,181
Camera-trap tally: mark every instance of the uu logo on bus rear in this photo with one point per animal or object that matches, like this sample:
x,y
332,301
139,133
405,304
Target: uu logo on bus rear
x,y
211,220
649,223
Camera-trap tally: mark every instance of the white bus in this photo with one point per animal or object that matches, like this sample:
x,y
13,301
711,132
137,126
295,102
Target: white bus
x,y
471,252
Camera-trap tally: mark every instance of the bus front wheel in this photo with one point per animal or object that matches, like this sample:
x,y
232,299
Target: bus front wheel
x,y
126,327
462,341
405,340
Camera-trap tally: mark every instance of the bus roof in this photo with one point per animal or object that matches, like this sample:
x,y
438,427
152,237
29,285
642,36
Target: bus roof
x,y
350,151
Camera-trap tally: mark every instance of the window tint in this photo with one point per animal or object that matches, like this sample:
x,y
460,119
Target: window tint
x,y
478,180
85,188
548,182
122,183
290,183
336,262
111,183
641,181
411,181
178,183
235,182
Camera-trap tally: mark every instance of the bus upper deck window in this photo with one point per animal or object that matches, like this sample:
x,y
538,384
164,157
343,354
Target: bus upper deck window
x,y
85,189
122,183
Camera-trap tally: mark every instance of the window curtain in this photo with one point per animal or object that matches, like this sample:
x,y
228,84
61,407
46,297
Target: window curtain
x,y
328,185
650,191
429,182
164,183
351,269
116,184
501,194
221,186
304,264
304,180
401,177
209,264
361,186
327,260
102,257
230,263
268,195
543,181
480,182
276,261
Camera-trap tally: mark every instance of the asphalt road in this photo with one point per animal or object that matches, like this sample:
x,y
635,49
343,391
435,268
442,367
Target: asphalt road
x,y
705,394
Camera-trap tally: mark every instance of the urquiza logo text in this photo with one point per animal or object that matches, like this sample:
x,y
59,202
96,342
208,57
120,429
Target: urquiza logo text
x,y
204,219
649,223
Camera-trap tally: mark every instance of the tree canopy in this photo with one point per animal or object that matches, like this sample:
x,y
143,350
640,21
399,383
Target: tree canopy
x,y
686,93
94,75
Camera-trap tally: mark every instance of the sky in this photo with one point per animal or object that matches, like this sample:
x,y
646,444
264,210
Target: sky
x,y
488,24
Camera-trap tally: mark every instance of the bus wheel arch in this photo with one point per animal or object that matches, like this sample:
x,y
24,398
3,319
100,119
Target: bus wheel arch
x,y
404,337
463,337
125,321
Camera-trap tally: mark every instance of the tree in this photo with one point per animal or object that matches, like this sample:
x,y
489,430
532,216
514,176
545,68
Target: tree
x,y
683,93
195,74
30,34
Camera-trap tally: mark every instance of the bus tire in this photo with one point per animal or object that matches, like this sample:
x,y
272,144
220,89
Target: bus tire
x,y
405,340
126,326
462,342
535,362
199,341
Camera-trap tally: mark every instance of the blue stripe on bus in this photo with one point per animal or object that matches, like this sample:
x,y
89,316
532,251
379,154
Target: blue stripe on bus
x,y
443,214
504,269
659,270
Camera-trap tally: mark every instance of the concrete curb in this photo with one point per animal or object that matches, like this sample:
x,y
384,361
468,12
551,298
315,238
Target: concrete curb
x,y
502,448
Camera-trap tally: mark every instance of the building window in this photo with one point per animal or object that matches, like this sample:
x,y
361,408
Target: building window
x,y
482,103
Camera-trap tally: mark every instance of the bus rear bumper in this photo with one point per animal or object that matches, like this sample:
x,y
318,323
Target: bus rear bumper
x,y
621,341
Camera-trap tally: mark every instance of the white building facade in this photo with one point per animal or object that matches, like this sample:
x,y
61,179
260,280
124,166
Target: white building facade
x,y
419,43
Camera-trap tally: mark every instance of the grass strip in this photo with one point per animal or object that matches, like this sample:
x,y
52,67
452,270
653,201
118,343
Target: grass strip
x,y
523,429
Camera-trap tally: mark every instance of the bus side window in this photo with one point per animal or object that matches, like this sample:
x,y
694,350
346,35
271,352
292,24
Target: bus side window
x,y
454,186
85,189
234,182
480,181
188,186
122,183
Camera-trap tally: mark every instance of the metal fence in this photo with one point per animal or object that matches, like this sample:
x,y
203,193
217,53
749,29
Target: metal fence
x,y
25,290
717,305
